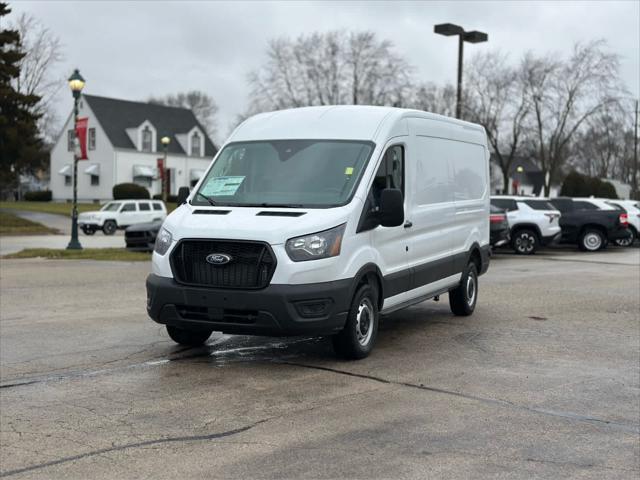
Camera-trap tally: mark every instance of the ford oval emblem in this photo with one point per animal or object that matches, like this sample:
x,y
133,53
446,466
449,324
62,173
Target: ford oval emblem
x,y
218,258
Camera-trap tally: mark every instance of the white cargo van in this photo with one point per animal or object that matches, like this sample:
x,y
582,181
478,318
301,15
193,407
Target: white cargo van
x,y
314,221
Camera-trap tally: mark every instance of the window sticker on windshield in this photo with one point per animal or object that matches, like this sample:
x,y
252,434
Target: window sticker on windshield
x,y
348,171
222,186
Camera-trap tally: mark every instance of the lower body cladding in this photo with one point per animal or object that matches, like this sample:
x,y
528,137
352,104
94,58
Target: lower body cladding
x,y
283,310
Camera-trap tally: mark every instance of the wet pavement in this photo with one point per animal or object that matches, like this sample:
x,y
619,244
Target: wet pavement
x,y
542,381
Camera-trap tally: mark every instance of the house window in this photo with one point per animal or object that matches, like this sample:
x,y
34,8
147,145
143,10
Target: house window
x,y
71,140
67,180
92,139
195,145
95,180
143,180
146,139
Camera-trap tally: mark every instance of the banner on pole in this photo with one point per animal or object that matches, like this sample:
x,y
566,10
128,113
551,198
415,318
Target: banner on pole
x,y
81,132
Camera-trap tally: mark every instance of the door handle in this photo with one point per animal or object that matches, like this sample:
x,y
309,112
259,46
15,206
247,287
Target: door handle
x,y
408,224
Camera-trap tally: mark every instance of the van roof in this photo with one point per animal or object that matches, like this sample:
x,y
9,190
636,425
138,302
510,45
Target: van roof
x,y
338,122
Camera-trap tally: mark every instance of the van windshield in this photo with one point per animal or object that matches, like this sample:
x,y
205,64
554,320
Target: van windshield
x,y
285,173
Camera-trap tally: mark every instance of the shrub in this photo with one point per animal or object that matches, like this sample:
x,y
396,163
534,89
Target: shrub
x,y
578,185
170,198
38,196
124,191
606,190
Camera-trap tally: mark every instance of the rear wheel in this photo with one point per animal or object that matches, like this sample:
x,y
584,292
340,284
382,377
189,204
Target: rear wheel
x,y
628,240
524,242
358,336
463,298
191,338
109,227
591,240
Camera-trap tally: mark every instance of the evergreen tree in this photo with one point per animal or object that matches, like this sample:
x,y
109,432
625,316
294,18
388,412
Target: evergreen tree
x,y
21,149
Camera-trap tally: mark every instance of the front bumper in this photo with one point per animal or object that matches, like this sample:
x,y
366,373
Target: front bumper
x,y
278,310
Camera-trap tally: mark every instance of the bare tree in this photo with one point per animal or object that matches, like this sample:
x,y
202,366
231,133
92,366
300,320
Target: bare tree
x,y
203,106
328,69
43,52
496,98
564,95
433,98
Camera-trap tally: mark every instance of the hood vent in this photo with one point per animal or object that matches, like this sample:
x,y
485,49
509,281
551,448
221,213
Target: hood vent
x,y
211,212
269,213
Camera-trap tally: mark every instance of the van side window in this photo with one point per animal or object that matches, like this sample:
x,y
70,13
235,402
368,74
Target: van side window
x,y
390,174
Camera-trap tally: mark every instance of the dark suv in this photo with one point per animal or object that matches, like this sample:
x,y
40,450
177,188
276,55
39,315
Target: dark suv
x,y
590,229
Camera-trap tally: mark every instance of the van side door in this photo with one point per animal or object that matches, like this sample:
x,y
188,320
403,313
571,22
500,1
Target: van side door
x,y
431,210
390,242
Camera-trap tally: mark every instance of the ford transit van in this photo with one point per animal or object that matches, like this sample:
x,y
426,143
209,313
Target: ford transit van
x,y
315,221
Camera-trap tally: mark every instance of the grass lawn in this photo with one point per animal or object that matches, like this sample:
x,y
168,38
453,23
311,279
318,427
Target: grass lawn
x,y
12,225
117,254
49,207
59,208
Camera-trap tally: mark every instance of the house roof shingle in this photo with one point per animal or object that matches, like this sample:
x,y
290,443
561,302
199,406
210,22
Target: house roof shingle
x,y
115,116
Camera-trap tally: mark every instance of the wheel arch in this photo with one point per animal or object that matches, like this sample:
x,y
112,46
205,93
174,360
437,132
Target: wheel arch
x,y
527,226
369,274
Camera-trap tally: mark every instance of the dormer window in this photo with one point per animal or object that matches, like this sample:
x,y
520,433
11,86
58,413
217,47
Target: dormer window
x,y
195,144
147,138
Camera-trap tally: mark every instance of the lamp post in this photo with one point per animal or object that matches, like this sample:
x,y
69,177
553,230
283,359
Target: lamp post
x,y
449,29
519,169
76,84
165,147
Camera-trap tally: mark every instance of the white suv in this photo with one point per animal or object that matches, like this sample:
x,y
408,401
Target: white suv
x,y
121,214
533,222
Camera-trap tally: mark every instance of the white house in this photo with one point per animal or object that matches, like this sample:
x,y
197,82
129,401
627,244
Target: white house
x,y
525,178
123,145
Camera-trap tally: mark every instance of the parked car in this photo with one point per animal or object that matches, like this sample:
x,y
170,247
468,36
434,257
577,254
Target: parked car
x,y
310,222
121,214
498,227
587,226
592,203
632,207
141,237
533,222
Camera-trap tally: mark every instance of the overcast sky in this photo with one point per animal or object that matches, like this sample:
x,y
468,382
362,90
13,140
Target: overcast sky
x,y
135,49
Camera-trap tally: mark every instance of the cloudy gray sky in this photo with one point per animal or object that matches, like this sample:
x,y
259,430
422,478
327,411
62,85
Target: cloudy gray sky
x,y
135,49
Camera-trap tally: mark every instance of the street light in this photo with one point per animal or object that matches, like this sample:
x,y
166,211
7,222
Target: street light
x,y
76,84
165,141
448,30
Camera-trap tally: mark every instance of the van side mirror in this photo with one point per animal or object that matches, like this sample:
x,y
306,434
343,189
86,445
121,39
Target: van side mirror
x,y
391,207
183,194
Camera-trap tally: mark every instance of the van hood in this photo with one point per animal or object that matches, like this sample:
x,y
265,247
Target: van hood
x,y
272,225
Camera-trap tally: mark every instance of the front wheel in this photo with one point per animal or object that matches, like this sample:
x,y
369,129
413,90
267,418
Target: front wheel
x,y
88,230
191,338
356,339
109,227
463,298
591,240
525,242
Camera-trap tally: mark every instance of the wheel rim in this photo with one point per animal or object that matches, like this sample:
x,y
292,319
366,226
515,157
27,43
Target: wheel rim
x,y
592,241
625,242
110,227
525,242
471,289
364,322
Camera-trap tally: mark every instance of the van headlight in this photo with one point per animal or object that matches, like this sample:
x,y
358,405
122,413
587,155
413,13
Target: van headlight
x,y
163,241
316,245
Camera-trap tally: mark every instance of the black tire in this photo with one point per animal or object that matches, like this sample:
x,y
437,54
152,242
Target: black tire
x,y
190,338
525,241
627,241
109,227
88,230
463,298
591,240
357,338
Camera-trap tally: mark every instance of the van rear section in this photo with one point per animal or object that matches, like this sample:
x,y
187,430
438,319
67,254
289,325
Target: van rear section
x,y
315,221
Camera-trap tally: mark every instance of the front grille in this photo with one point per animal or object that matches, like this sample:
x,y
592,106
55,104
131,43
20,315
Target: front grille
x,y
251,267
204,314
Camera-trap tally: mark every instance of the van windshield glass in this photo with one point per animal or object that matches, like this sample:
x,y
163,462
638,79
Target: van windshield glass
x,y
111,207
285,173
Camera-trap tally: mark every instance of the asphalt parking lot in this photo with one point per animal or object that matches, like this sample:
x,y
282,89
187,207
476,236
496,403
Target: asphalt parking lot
x,y
543,381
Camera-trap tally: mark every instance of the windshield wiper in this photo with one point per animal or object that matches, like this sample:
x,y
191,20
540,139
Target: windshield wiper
x,y
208,199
